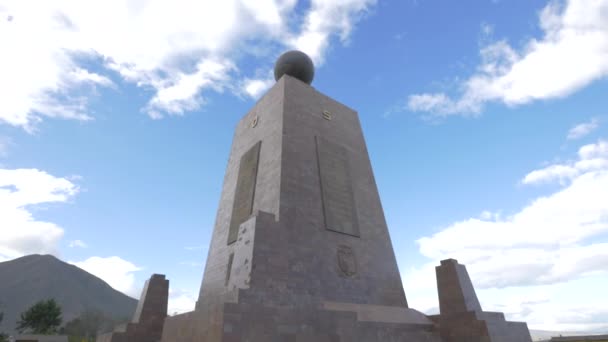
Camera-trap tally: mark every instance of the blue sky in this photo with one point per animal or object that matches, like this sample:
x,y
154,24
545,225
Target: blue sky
x,y
485,124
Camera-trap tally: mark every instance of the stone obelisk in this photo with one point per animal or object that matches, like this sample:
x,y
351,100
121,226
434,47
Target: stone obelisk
x,y
300,247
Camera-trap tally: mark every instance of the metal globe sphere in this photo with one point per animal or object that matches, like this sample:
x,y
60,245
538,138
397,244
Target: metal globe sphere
x,y
295,64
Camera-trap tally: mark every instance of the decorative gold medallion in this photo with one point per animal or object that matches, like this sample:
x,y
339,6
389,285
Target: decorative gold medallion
x,y
254,122
347,264
327,115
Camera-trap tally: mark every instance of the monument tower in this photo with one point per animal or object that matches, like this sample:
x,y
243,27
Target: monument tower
x,y
300,250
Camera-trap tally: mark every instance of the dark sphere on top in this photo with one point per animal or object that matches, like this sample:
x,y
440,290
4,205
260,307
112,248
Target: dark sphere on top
x,y
296,64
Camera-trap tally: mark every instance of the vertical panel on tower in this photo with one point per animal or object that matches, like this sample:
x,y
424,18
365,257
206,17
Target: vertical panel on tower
x,y
229,269
336,188
245,190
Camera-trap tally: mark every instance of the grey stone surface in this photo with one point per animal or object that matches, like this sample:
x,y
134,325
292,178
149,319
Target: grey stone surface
x,y
149,317
40,338
285,262
461,318
245,190
456,293
288,186
268,110
336,187
263,308
295,64
379,313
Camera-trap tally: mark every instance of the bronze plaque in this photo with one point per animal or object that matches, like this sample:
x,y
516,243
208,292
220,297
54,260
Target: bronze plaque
x,y
336,188
245,190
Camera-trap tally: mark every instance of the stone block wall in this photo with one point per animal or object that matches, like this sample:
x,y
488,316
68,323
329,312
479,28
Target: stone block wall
x,y
149,317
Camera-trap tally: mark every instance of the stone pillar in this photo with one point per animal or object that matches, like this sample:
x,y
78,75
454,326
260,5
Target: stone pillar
x,y
456,292
461,318
148,320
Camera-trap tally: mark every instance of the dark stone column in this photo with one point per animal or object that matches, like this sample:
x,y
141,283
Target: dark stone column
x,y
149,318
456,292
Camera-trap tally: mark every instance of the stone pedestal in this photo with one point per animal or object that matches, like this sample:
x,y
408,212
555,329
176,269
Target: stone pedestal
x,y
461,318
149,317
264,304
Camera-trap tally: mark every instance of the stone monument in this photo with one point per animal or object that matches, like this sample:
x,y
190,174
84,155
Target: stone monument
x,y
149,316
461,317
300,250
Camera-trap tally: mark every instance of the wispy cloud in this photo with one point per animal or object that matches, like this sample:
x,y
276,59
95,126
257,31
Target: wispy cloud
x,y
572,53
77,244
583,129
591,158
180,50
191,263
195,248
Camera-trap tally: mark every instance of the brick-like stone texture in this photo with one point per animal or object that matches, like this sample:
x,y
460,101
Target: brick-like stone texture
x,y
456,293
288,186
461,318
265,306
149,317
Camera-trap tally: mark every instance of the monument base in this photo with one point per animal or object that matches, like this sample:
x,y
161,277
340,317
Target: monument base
x,y
132,332
333,322
480,327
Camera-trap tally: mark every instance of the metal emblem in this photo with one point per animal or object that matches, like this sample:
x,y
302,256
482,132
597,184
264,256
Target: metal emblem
x,y
347,264
326,115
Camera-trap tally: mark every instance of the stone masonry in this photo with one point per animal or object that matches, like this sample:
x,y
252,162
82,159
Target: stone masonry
x,y
149,316
301,252
313,261
461,318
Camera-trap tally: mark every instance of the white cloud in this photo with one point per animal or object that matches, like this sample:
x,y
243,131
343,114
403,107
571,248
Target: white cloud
x,y
114,270
568,306
182,93
583,129
325,19
572,53
178,50
555,241
592,157
77,243
20,232
180,301
256,87
592,151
